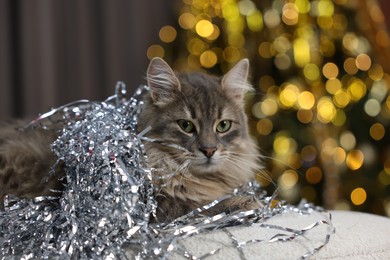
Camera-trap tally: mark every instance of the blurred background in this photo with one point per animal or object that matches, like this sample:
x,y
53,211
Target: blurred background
x,y
321,110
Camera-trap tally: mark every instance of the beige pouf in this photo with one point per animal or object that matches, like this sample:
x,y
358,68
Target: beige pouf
x,y
353,235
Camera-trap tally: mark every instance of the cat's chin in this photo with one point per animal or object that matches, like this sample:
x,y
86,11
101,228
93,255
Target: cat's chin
x,y
206,167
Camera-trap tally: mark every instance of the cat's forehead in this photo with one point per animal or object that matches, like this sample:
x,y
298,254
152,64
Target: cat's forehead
x,y
203,97
199,82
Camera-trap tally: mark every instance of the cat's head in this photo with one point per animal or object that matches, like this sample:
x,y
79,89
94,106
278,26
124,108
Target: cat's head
x,y
202,114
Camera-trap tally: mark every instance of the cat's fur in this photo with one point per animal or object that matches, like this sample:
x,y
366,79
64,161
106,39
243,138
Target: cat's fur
x,y
25,161
210,164
190,169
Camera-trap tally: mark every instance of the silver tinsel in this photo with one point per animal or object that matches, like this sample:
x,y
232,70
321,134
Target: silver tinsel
x,y
107,204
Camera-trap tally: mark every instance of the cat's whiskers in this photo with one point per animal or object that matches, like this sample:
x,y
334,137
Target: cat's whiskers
x,y
243,163
183,161
266,157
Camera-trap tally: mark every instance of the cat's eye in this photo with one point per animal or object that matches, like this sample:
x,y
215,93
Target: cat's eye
x,y
186,126
224,126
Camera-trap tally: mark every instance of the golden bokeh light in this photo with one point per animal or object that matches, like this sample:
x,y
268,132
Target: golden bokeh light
x,y
358,196
354,44
284,145
256,110
264,126
155,51
376,72
246,7
379,90
339,156
282,61
340,118
288,179
231,54
329,145
313,175
236,26
372,107
281,44
266,82
230,11
341,98
301,52
350,66
363,62
325,22
326,110
355,159
330,70
290,14
327,47
382,38
347,140
294,161
311,72
376,14
196,46
236,40
167,34
384,178
305,116
318,77
306,100
289,95
254,21
303,6
266,50
333,85
215,34
187,21
271,18
200,4
377,131
208,59
269,107
204,28
357,89
324,7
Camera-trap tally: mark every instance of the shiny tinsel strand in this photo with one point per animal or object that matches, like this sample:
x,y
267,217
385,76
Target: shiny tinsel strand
x,y
105,209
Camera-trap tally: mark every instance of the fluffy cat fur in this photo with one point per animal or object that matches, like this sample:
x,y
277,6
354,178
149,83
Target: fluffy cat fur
x,y
200,116
25,160
209,163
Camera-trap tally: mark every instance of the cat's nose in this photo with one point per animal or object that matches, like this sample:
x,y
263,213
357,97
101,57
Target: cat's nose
x,y
208,151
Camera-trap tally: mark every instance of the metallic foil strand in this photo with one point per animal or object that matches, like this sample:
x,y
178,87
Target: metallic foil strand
x,y
106,207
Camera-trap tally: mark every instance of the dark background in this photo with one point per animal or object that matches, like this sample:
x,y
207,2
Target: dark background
x,y
55,52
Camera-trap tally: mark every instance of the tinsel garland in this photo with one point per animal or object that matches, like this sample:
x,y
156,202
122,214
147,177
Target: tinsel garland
x,y
105,209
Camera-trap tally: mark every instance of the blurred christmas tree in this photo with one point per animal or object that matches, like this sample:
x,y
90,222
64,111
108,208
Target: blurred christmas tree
x,y
321,72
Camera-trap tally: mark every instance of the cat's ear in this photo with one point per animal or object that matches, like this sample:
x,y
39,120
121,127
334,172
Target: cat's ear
x,y
162,81
235,82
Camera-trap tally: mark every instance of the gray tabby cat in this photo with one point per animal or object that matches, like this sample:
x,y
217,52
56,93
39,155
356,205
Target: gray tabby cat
x,y
201,118
204,115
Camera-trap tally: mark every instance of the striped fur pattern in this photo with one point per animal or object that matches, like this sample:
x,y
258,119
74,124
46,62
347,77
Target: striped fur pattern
x,y
25,160
198,167
186,176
